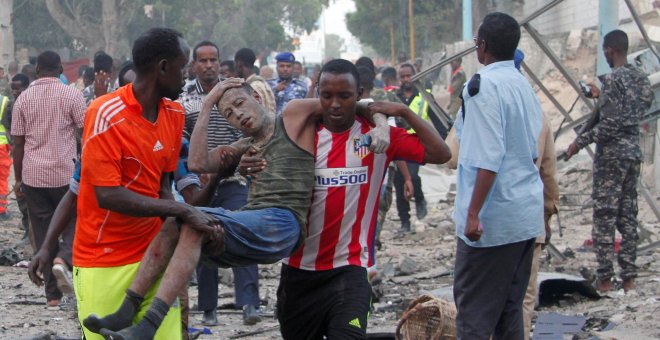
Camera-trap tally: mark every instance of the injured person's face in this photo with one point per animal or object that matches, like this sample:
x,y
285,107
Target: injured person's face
x,y
242,110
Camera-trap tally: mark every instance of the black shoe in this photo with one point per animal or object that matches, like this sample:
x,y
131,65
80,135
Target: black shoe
x,y
420,209
250,315
405,226
210,318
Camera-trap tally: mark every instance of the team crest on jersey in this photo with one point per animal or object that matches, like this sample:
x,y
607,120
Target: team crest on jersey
x,y
360,148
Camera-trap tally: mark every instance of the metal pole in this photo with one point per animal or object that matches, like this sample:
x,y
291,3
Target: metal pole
x,y
608,20
540,11
551,97
444,62
467,20
640,25
555,60
437,110
411,24
473,48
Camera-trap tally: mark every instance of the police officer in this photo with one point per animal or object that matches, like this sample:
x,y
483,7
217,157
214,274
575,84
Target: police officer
x,y
625,96
285,87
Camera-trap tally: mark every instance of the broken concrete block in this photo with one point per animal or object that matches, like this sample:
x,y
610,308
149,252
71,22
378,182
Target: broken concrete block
x,y
407,266
573,43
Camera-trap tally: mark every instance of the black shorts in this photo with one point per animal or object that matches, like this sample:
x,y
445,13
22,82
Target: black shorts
x,y
334,303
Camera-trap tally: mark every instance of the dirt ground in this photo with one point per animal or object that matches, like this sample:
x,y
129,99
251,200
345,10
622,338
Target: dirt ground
x,y
411,265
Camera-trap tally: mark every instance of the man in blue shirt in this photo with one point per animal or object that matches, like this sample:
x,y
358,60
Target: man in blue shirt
x,y
285,87
499,202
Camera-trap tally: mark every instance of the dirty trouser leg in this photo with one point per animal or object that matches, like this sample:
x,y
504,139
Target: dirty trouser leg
x,y
42,203
532,290
402,205
251,237
246,285
608,182
230,196
627,222
489,287
21,201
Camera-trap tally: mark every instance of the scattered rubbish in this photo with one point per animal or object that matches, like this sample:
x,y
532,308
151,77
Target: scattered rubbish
x,y
407,266
554,289
22,264
259,331
203,330
9,257
553,325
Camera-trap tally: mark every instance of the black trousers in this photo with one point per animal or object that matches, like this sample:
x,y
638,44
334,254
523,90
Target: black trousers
x,y
489,288
402,205
334,303
41,206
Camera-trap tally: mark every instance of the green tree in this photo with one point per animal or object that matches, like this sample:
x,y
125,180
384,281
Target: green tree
x,y
111,25
33,26
384,26
334,45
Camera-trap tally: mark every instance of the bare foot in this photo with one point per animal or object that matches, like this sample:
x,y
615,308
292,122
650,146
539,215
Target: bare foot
x,y
53,303
604,286
628,284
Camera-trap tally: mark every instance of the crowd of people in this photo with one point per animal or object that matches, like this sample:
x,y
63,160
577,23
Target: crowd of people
x,y
136,180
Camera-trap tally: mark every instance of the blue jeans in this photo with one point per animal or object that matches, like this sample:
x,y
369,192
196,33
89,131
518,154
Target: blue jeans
x,y
232,196
255,236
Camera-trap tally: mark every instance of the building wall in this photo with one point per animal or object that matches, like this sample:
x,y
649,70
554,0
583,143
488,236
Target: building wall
x,y
575,14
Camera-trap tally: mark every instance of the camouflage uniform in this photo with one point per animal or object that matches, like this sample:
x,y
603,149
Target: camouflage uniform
x,y
297,89
625,96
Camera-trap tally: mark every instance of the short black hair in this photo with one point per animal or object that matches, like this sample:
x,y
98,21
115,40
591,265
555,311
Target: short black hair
x,y
501,32
155,45
366,77
102,62
202,44
296,62
229,64
617,40
388,72
28,69
81,70
246,56
414,70
89,74
125,67
341,66
49,61
366,62
23,79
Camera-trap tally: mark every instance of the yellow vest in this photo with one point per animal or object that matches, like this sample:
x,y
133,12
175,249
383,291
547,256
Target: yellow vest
x,y
420,107
3,131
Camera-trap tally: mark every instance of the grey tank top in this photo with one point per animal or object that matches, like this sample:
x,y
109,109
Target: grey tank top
x,y
288,179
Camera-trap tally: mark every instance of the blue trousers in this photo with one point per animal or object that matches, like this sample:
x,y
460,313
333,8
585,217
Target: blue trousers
x,y
232,196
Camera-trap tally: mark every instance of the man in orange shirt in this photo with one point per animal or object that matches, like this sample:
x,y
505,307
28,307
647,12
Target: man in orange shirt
x,y
131,145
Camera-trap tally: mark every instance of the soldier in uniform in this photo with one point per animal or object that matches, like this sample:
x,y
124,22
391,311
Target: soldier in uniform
x,y
285,87
626,95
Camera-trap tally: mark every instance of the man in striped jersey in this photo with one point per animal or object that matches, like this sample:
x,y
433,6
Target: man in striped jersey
x,y
272,224
323,286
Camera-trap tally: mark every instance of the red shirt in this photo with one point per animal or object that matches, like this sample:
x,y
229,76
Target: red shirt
x,y
120,147
348,179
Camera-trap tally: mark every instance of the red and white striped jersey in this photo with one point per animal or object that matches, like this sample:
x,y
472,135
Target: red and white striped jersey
x,y
348,179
